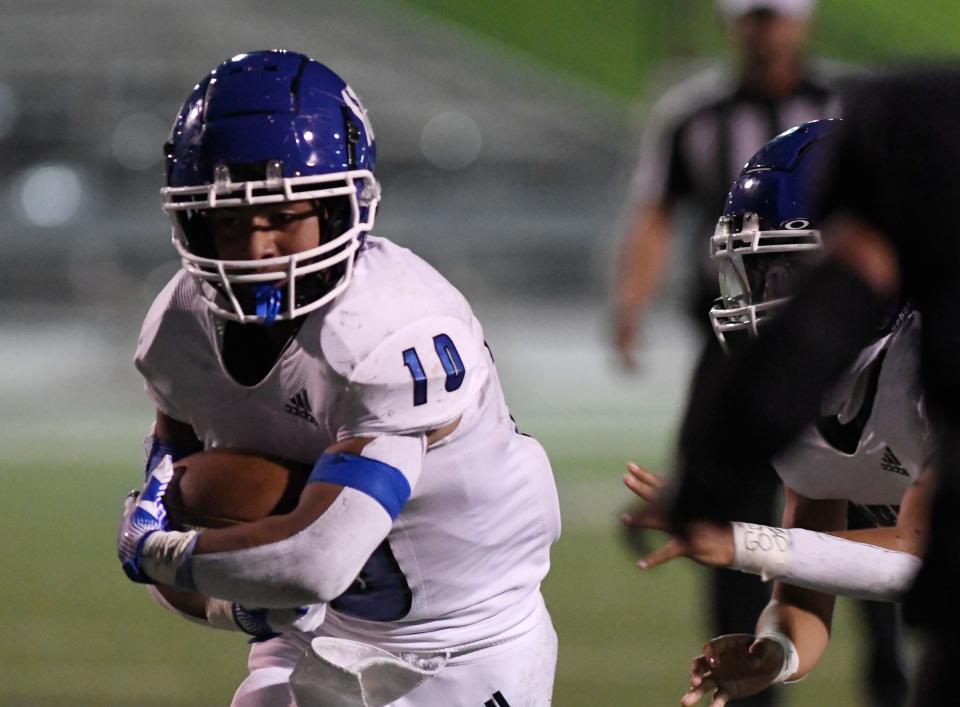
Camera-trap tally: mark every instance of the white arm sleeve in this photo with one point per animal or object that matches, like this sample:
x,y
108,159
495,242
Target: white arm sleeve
x,y
822,562
321,561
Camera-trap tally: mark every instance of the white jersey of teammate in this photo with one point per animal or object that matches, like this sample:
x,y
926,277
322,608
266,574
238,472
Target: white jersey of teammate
x,y
873,438
399,352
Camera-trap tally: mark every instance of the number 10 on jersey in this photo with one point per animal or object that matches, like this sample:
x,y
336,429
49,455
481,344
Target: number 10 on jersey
x,y
449,359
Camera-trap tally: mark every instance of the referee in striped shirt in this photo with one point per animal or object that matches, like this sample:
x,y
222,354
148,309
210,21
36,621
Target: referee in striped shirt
x,y
697,139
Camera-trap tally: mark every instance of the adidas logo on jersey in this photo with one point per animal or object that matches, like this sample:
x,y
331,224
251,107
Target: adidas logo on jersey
x,y
498,700
891,463
299,405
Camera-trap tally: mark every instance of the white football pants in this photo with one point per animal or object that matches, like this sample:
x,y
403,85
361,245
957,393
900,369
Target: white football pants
x,y
516,673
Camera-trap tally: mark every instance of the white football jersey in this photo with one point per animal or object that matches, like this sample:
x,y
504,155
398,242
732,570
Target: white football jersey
x,y
873,437
398,352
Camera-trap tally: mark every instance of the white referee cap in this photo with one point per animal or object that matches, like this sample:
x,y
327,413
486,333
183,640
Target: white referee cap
x,y
801,9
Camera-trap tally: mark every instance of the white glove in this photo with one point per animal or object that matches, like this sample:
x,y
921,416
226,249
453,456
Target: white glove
x,y
263,624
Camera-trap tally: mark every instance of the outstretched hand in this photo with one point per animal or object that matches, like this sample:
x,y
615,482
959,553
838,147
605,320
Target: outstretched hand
x,y
733,666
264,624
708,543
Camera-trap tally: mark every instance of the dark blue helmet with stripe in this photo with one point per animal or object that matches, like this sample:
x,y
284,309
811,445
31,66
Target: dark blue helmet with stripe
x,y
263,128
769,230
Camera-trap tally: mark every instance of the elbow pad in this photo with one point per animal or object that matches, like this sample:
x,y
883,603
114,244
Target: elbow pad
x,y
823,563
320,562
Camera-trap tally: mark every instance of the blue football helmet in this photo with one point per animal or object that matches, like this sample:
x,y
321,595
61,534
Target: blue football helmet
x,y
769,232
262,128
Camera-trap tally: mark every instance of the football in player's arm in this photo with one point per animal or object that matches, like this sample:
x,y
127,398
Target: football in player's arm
x,y
846,457
294,332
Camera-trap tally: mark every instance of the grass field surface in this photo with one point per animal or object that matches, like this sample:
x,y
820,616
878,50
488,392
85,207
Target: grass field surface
x,y
79,634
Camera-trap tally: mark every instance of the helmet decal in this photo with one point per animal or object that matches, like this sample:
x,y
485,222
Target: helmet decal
x,y
353,102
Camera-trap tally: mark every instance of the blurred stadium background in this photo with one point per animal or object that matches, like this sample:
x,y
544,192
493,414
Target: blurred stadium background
x,y
506,135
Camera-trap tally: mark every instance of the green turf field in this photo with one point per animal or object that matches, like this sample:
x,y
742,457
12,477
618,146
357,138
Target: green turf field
x,y
619,43
77,633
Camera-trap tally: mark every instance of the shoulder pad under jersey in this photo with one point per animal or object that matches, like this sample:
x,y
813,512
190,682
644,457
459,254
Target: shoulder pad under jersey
x,y
418,378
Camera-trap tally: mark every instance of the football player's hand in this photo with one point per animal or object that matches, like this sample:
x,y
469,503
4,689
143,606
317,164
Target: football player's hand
x,y
708,543
733,666
225,615
143,515
264,624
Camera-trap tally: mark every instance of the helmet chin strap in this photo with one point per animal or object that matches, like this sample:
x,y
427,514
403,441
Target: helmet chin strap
x,y
269,302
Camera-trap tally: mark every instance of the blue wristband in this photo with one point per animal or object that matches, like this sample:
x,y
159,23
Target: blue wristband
x,y
383,483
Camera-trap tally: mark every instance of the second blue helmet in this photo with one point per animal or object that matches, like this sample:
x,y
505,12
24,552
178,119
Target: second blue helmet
x,y
769,229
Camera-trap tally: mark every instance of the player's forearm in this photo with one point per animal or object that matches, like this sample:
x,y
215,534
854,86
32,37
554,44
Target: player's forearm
x,y
825,562
314,566
803,618
314,502
310,555
895,539
642,259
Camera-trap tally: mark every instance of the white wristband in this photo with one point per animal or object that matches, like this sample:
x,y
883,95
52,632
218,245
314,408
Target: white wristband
x,y
791,659
164,552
